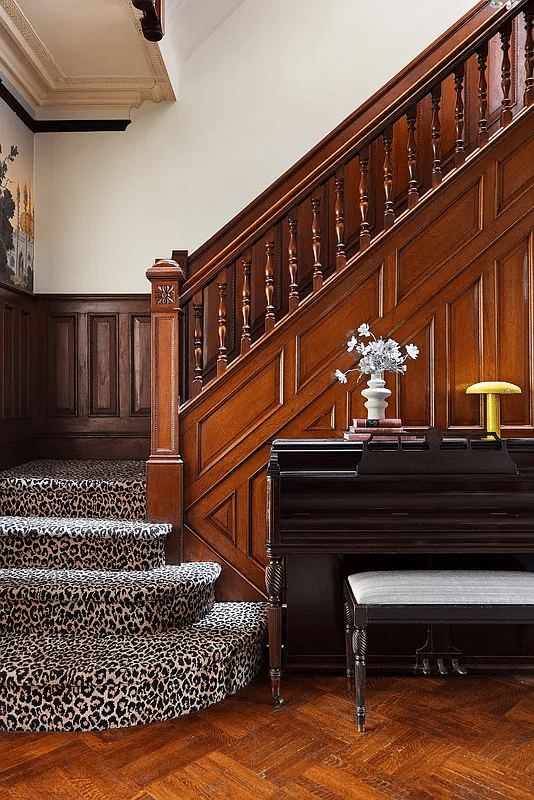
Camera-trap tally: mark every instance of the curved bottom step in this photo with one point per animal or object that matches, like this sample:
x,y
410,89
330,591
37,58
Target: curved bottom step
x,y
68,683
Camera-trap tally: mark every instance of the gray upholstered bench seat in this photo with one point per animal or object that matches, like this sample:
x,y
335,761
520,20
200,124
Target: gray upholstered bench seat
x,y
450,587
429,596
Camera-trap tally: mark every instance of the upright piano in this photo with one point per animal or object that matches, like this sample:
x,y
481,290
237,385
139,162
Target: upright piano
x,y
335,507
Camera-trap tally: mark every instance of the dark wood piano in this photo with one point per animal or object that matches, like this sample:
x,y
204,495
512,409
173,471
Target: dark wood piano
x,y
337,507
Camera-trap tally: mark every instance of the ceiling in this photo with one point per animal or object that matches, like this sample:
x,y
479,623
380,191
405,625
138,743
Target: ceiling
x,y
87,58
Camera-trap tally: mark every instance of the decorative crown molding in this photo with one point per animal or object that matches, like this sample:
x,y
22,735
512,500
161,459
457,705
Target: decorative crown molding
x,y
27,63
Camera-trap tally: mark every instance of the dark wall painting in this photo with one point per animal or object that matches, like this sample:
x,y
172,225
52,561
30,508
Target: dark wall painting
x,y
16,202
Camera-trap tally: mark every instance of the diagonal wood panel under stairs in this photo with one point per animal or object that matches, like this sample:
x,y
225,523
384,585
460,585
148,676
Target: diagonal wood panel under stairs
x,y
454,276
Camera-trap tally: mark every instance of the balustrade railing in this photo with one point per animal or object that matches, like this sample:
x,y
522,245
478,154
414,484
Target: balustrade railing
x,y
358,193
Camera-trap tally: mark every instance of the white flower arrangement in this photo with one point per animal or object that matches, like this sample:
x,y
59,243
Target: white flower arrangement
x,y
377,356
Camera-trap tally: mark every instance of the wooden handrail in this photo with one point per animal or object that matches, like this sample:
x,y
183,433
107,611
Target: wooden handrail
x,y
364,137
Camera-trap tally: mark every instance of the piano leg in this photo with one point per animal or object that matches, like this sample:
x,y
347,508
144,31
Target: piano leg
x,y
274,581
349,655
359,646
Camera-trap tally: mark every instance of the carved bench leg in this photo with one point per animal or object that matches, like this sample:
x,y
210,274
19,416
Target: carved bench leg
x,y
349,653
359,646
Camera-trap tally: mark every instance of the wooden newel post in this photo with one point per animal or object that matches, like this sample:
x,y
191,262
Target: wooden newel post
x,y
165,466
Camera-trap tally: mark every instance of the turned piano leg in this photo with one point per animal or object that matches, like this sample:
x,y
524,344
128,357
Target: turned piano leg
x,y
349,654
359,646
274,581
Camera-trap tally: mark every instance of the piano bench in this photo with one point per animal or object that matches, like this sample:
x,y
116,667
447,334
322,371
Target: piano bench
x,y
430,597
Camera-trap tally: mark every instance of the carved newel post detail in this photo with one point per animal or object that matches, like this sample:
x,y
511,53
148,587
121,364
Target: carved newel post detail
x,y
165,466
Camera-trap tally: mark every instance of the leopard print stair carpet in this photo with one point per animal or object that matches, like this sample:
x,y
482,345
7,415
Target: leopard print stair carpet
x,y
45,601
74,543
54,488
76,683
96,631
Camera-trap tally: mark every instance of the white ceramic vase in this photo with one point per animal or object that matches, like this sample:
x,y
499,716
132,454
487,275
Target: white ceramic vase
x,y
376,395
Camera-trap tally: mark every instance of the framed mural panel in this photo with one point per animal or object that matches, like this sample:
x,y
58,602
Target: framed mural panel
x,y
16,201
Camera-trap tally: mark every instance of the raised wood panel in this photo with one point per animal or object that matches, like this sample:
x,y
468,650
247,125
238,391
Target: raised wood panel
x,y
223,518
326,421
140,386
9,375
235,417
103,365
514,332
25,372
415,397
426,251
512,177
62,363
326,335
465,355
257,492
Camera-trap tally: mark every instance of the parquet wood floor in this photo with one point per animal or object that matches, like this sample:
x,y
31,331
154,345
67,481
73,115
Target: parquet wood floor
x,y
453,738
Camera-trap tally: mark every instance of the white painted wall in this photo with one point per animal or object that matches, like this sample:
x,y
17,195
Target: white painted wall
x,y
271,81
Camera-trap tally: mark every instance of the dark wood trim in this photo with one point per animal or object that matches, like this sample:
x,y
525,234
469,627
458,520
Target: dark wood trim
x,y
59,125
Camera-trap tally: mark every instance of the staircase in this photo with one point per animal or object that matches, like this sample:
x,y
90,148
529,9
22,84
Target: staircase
x,y
419,222
96,631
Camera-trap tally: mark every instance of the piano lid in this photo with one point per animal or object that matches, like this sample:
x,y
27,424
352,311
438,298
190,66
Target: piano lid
x,y
433,455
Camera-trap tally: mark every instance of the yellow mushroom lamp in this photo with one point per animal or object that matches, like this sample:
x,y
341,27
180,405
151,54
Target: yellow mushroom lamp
x,y
493,390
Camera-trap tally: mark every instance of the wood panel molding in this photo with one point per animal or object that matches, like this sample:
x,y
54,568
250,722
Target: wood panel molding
x,y
75,382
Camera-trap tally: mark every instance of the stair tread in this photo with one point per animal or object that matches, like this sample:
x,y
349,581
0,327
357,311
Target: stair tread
x,y
55,526
190,572
74,471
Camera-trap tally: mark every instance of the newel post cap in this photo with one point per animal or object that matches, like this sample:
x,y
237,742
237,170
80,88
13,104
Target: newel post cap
x,y
493,387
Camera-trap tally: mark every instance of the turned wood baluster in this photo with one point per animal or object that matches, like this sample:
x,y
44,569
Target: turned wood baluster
x,y
269,287
436,136
341,257
245,335
482,61
413,194
316,244
293,266
529,55
365,228
196,387
222,356
506,82
459,147
389,213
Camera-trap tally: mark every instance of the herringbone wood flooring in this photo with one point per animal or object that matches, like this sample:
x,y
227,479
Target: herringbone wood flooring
x,y
454,738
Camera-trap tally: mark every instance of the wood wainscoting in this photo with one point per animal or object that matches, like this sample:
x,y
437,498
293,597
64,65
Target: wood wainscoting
x,y
75,378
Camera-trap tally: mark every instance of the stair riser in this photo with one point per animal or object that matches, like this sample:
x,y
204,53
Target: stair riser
x,y
113,613
49,498
39,549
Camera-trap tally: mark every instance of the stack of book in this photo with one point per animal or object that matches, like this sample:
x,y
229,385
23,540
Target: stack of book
x,y
362,429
